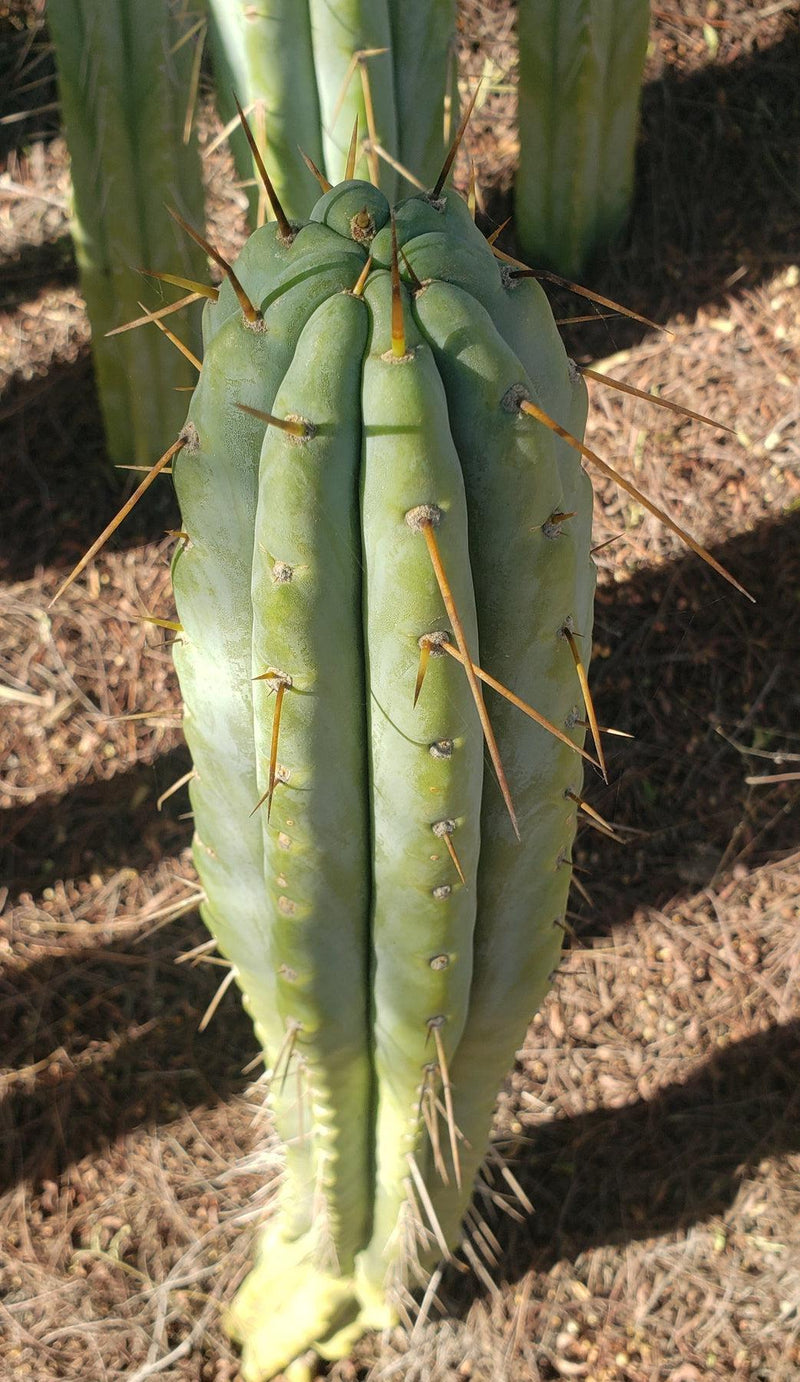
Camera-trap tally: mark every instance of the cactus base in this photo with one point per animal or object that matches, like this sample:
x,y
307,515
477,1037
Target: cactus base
x,y
288,1306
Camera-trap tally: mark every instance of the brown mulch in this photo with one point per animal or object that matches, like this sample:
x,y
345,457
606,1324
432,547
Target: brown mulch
x,y
652,1116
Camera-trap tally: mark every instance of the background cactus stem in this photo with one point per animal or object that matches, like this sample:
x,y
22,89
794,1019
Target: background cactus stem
x,y
123,75
580,75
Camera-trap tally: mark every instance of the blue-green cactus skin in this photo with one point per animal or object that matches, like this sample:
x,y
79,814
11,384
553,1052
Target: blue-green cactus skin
x,y
390,933
311,68
123,72
580,76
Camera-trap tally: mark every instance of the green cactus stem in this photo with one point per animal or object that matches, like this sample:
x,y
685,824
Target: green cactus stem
x,y
580,74
365,498
382,580
263,54
423,37
384,591
123,84
309,69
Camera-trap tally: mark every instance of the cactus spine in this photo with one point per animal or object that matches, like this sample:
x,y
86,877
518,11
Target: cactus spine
x,y
310,68
123,87
264,55
364,498
580,72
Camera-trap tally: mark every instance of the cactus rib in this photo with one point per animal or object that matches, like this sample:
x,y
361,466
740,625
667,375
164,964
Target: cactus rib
x,y
310,71
580,70
122,85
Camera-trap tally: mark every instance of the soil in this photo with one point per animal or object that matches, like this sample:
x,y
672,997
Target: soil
x,y
653,1114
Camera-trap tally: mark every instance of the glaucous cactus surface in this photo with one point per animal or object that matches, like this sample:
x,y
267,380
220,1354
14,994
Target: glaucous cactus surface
x,y
308,69
123,75
580,77
372,525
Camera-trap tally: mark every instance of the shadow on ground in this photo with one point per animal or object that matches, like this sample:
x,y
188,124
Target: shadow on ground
x,y
685,658
102,823
115,1027
658,1166
27,82
57,487
33,269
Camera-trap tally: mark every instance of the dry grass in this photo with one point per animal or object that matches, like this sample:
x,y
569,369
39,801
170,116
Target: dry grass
x,y
653,1114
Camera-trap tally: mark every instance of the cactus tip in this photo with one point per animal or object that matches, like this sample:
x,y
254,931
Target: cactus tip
x,y
284,1055
498,231
567,632
174,625
165,795
443,830
424,658
217,999
312,168
588,899
521,270
431,1117
203,290
157,315
435,1028
175,340
281,684
361,282
552,524
369,114
623,387
424,1195
526,709
295,426
416,282
599,822
472,191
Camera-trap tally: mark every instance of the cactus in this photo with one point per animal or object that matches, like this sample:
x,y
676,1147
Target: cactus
x,y
123,96
300,66
390,913
383,511
580,73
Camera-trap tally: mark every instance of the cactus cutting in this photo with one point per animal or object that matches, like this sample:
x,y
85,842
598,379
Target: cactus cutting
x,y
384,590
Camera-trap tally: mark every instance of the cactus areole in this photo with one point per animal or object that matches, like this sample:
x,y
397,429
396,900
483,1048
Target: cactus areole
x,y
378,545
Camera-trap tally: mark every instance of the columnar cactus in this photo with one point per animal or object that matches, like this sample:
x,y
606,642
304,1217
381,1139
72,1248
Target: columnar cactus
x,y
364,499
123,85
580,74
315,66
383,512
